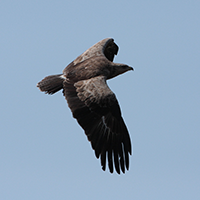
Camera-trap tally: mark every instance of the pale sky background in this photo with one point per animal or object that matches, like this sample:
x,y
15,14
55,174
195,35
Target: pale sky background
x,y
44,153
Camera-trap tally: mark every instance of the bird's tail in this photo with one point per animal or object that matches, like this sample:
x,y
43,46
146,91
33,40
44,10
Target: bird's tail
x,y
51,84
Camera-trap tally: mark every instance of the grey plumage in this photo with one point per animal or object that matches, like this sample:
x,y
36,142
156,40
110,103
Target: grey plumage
x,y
93,104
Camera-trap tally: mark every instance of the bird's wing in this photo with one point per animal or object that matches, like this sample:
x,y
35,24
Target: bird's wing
x,y
97,111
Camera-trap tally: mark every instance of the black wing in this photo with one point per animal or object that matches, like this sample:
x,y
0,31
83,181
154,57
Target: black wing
x,y
97,111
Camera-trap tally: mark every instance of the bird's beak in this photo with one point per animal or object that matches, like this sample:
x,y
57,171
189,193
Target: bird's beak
x,y
130,68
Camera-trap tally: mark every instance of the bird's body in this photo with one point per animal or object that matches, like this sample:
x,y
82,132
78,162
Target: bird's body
x,y
93,104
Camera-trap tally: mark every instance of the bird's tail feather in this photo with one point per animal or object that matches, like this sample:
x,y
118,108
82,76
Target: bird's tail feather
x,y
51,84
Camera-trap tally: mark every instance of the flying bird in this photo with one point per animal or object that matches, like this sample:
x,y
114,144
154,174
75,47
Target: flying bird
x,y
93,104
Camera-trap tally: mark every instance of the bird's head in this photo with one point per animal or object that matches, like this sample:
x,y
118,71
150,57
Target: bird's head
x,y
118,69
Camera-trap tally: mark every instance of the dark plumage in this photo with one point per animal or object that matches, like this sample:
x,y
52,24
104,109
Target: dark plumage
x,y
93,104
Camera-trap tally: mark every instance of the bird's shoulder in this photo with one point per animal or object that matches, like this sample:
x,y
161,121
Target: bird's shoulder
x,y
92,67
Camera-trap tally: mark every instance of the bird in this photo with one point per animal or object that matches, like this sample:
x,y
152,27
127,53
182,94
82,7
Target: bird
x,y
93,104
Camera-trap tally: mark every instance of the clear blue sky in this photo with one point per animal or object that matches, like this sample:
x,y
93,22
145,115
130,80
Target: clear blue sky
x,y
45,154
